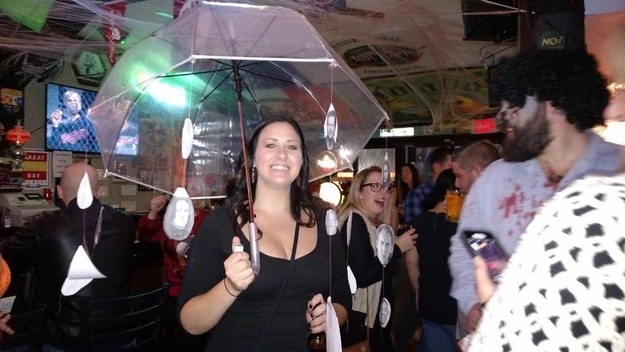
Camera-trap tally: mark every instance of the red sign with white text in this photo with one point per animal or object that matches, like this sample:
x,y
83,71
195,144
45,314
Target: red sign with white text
x,y
35,169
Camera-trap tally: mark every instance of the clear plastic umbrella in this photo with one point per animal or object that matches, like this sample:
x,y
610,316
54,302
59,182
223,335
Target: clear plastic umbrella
x,y
226,67
174,112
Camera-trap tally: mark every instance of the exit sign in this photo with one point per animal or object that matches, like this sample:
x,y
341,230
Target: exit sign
x,y
484,126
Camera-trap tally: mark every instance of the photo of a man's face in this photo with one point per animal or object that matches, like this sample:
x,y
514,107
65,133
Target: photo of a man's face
x,y
331,128
384,243
385,312
182,213
73,102
179,217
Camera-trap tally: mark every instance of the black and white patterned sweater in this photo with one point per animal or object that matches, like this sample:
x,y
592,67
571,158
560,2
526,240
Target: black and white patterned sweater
x,y
564,287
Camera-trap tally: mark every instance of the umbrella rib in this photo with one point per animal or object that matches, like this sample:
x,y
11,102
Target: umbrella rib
x,y
141,183
263,58
197,73
274,76
214,89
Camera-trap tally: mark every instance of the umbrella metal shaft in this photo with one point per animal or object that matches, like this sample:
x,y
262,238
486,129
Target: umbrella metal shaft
x,y
253,231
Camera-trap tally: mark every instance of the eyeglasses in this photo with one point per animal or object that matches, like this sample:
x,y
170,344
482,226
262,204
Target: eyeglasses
x,y
377,187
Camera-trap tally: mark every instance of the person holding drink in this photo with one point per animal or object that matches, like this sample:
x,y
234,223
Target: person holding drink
x,y
437,309
368,206
302,265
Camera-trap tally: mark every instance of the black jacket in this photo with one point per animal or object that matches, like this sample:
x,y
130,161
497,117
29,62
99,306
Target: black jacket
x,y
46,246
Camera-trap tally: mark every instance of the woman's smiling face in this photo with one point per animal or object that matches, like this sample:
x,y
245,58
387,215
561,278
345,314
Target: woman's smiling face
x,y
278,156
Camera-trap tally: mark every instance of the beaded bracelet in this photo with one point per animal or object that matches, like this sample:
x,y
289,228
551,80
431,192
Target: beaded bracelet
x,y
226,286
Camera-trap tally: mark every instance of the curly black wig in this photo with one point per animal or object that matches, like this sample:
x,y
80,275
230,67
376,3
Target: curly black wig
x,y
568,79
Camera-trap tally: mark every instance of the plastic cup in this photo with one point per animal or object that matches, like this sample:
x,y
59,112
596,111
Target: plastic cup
x,y
453,202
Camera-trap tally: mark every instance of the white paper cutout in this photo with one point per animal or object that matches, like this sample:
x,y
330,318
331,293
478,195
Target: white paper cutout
x,y
332,222
385,312
351,280
331,127
333,334
84,197
179,217
384,243
6,303
187,138
386,172
80,273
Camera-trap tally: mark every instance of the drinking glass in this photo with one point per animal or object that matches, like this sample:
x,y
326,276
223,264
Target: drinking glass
x,y
453,202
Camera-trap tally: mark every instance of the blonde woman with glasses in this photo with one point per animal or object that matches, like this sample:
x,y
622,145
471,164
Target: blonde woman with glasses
x,y
369,212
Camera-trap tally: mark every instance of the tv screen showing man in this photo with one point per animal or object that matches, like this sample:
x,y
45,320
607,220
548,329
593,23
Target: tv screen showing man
x,y
68,127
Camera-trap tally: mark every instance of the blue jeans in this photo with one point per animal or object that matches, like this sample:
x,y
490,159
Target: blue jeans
x,y
438,337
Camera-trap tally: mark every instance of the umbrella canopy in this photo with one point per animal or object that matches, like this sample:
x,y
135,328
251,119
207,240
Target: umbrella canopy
x,y
213,64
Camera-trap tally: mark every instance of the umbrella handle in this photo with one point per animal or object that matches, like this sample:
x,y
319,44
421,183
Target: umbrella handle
x,y
254,252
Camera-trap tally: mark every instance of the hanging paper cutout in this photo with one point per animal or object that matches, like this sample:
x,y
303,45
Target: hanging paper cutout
x,y
179,217
332,222
81,272
84,197
386,172
384,243
385,312
331,128
187,138
351,280
333,334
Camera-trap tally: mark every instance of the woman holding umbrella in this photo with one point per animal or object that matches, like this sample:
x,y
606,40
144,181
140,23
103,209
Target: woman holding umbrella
x,y
277,308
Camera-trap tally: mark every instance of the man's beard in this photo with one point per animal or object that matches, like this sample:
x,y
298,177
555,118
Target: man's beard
x,y
527,142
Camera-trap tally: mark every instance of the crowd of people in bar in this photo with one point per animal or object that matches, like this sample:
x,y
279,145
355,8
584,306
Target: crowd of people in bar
x,y
550,199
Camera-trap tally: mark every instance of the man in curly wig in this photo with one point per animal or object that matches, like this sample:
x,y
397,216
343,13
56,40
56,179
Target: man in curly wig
x,y
549,102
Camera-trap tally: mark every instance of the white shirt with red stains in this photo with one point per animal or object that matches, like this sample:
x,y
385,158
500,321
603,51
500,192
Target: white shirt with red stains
x,y
504,200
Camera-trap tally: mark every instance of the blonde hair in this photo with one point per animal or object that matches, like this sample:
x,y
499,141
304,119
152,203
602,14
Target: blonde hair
x,y
353,201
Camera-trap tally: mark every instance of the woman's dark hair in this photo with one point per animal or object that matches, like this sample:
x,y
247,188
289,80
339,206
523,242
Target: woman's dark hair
x,y
446,180
416,178
403,187
301,199
568,79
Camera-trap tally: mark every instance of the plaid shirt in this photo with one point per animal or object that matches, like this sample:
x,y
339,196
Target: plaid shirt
x,y
412,202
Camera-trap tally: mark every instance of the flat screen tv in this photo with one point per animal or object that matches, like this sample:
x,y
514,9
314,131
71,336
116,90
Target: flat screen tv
x,y
67,126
